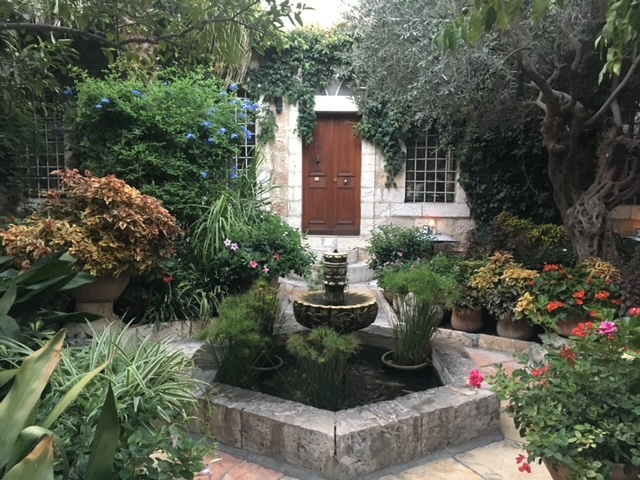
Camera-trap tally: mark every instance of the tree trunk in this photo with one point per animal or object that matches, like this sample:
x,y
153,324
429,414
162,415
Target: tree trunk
x,y
590,229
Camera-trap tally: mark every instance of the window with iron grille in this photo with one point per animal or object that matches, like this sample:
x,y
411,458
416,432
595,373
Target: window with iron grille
x,y
247,148
47,154
432,170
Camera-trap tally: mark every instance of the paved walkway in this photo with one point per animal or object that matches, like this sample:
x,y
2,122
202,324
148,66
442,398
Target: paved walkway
x,y
496,461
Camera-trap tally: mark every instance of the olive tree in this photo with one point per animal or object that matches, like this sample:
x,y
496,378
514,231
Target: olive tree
x,y
502,61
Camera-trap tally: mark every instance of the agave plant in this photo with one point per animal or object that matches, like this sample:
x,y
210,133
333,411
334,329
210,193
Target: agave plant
x,y
26,449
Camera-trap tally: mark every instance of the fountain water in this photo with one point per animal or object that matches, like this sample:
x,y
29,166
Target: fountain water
x,y
342,311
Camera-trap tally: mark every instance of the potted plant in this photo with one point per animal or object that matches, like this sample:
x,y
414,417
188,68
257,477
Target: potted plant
x,y
392,246
111,229
500,283
466,314
263,247
562,297
418,314
322,356
579,411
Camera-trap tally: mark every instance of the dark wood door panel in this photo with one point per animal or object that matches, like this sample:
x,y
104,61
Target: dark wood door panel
x,y
331,179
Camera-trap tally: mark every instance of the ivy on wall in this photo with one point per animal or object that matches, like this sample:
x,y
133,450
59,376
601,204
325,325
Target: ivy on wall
x,y
312,57
309,58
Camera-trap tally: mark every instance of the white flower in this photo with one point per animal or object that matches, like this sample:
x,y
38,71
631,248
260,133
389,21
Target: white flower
x,y
227,243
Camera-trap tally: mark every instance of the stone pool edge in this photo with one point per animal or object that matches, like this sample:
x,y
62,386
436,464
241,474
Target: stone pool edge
x,y
358,441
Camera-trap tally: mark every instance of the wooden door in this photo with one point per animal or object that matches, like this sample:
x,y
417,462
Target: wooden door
x,y
331,178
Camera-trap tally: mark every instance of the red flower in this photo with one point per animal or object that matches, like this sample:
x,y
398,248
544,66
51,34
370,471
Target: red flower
x,y
525,467
634,311
589,280
583,329
617,301
593,314
167,278
554,306
570,355
476,378
551,268
603,295
580,297
520,458
540,372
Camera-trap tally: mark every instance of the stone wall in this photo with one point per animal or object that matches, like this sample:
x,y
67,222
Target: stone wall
x,y
380,205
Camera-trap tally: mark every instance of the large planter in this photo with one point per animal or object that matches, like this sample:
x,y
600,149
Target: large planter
x,y
617,472
98,297
516,329
387,360
467,319
565,327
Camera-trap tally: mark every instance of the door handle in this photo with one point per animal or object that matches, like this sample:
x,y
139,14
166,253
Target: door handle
x,y
335,179
346,181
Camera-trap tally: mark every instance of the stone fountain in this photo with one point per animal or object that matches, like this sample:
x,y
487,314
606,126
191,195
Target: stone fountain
x,y
342,311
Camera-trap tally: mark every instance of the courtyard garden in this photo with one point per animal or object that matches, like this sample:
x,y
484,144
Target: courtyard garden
x,y
158,306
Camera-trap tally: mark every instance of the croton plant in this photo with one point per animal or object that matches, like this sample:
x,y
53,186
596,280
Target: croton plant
x,y
108,226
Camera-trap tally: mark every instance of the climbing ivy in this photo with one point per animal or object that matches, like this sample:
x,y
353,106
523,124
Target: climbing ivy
x,y
308,58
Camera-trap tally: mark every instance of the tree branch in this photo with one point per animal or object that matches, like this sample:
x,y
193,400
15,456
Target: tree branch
x,y
45,28
606,105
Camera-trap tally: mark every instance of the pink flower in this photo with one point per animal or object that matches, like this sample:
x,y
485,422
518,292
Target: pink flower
x,y
253,264
634,311
265,269
608,328
277,256
234,247
476,378
399,254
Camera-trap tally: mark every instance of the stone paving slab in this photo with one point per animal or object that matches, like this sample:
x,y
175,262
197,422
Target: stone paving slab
x,y
445,469
498,462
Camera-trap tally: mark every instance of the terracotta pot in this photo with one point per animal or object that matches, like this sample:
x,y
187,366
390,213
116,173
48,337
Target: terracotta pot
x,y
387,359
517,329
467,319
617,472
565,327
98,297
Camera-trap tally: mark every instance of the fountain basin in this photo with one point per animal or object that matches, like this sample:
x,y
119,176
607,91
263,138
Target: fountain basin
x,y
355,442
359,310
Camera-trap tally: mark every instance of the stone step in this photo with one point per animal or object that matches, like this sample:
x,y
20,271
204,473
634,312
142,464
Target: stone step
x,y
356,273
352,254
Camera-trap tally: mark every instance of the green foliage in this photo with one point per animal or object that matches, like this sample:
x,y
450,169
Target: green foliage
x,y
26,449
235,340
531,244
413,332
427,286
155,397
265,247
308,58
322,357
505,170
26,294
580,410
174,136
390,244
461,269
